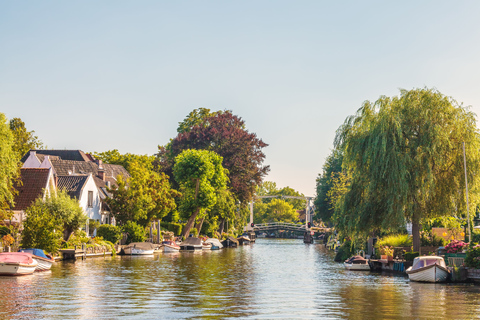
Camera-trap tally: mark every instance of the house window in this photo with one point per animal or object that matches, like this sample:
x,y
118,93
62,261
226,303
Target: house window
x,y
90,199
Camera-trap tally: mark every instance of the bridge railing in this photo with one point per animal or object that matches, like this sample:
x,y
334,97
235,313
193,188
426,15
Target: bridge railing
x,y
279,225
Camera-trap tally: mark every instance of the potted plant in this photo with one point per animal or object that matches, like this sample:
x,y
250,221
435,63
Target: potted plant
x,y
386,253
7,242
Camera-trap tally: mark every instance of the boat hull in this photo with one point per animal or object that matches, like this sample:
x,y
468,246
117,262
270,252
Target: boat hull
x,y
357,266
16,269
135,251
169,248
43,264
430,273
191,248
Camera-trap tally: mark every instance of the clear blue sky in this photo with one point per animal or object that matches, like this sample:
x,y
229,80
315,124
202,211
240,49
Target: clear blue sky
x,y
100,75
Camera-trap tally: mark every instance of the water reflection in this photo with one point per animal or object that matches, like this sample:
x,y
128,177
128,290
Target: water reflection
x,y
270,279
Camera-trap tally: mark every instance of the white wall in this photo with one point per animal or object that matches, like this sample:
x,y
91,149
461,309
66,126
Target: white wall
x,y
94,211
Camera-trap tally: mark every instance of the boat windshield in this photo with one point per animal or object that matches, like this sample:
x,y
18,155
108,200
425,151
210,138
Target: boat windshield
x,y
426,262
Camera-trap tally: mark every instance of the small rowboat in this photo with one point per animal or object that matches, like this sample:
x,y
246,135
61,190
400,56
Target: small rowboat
x,y
44,261
139,248
216,244
170,246
16,264
428,269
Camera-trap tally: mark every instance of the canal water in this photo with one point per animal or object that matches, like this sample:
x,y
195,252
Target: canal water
x,y
272,279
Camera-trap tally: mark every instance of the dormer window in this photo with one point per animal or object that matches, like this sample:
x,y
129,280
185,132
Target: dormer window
x,y
90,199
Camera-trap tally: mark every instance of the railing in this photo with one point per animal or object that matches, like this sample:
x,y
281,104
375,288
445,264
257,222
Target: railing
x,y
279,225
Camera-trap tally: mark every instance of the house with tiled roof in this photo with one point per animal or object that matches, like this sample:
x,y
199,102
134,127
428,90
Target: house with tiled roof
x,y
35,183
72,167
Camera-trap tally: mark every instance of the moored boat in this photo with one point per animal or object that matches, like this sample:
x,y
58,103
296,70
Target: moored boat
x,y
357,263
170,246
16,263
139,248
230,242
243,240
44,261
216,244
428,269
191,244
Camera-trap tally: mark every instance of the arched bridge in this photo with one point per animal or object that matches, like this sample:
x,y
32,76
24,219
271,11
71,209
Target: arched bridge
x,y
279,226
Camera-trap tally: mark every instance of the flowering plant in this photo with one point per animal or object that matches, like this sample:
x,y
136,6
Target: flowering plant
x,y
455,246
7,240
472,259
386,250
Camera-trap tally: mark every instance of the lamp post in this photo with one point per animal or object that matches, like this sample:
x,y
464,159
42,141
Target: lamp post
x,y
466,191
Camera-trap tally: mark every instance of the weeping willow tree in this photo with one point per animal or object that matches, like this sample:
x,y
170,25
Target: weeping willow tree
x,y
404,161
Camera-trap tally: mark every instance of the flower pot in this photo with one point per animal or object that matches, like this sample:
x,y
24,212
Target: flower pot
x,y
390,258
384,257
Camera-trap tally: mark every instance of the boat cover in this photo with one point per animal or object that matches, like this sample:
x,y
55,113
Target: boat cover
x,y
191,241
356,259
214,242
35,252
141,245
16,257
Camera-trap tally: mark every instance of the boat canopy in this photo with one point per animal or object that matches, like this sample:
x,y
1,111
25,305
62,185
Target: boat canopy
x,y
423,261
36,252
141,245
356,259
191,241
215,242
16,257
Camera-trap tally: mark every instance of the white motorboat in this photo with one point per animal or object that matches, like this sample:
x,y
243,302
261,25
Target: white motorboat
x,y
17,264
139,248
216,244
428,269
44,261
170,246
357,263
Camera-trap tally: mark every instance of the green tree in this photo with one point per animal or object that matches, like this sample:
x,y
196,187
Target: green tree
x,y
200,175
41,230
125,160
66,210
9,168
325,182
110,233
404,158
277,210
134,231
23,140
143,197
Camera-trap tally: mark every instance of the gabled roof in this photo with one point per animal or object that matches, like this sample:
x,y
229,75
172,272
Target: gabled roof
x,y
34,181
75,155
72,184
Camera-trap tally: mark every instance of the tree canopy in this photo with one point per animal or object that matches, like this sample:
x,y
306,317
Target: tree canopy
x,y
403,156
125,160
23,140
9,168
225,134
201,177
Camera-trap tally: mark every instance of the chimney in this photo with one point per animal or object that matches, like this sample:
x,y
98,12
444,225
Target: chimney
x,y
101,171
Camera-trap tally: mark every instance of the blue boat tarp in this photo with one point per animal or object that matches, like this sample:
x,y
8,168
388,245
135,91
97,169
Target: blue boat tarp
x,y
36,252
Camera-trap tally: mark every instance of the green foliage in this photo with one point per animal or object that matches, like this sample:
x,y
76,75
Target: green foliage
x,y
428,239
400,240
23,140
405,161
176,228
4,231
65,210
135,232
9,168
276,210
472,259
110,233
143,197
409,256
201,178
125,160
92,225
345,251
324,202
196,118
41,230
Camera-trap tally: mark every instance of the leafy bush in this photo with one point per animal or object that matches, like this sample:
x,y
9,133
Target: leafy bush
x,y
41,230
4,231
400,240
427,239
135,232
110,233
472,259
92,225
176,228
409,256
345,251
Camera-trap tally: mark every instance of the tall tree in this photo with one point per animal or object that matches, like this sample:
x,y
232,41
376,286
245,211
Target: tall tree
x,y
225,134
201,176
277,210
143,197
9,168
404,157
325,181
125,160
24,140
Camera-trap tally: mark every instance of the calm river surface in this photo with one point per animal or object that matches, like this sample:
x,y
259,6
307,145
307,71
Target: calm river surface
x,y
272,279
